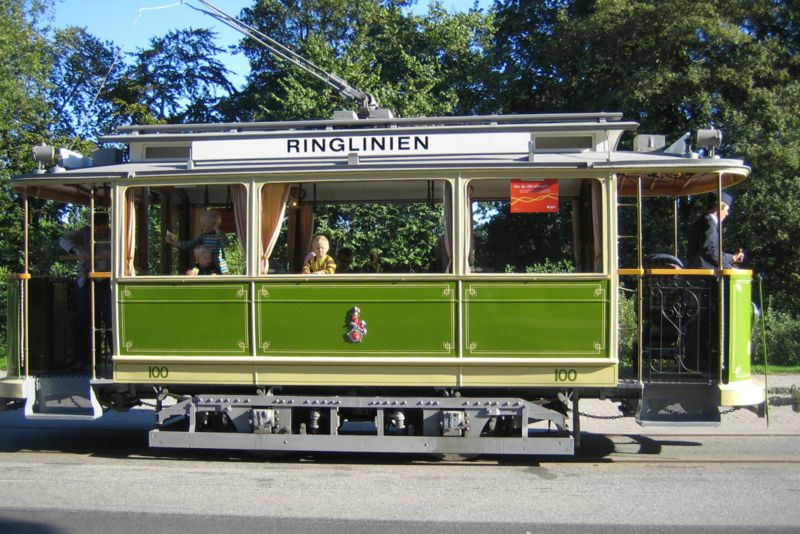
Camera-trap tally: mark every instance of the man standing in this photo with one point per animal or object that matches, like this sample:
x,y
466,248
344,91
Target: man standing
x,y
704,241
80,243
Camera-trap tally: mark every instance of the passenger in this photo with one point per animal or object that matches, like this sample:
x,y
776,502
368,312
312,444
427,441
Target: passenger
x,y
344,260
80,244
318,261
213,237
204,262
375,264
704,241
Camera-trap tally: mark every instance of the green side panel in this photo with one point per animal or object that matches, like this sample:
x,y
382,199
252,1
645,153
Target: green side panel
x,y
14,327
740,326
312,319
537,319
193,319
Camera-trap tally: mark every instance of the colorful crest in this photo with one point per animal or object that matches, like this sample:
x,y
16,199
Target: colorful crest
x,y
358,326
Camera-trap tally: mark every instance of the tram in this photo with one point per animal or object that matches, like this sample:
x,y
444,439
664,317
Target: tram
x,y
462,352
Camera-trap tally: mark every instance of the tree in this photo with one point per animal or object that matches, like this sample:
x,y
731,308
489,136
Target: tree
x,y
23,120
83,69
177,79
676,66
415,65
23,110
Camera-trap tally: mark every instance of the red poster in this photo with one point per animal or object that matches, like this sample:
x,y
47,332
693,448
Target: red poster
x,y
534,196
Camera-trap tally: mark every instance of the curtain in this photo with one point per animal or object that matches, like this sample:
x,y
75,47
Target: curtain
x,y
239,201
273,208
130,232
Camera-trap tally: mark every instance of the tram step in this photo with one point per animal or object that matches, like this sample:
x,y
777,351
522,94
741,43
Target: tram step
x,y
65,397
679,405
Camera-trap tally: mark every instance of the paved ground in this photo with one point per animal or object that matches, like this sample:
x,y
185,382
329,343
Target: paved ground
x,y
782,418
100,476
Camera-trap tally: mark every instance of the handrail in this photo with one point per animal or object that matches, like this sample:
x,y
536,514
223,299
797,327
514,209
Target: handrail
x,y
632,271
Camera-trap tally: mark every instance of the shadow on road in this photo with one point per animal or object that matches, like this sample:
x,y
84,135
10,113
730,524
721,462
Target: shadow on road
x,y
125,436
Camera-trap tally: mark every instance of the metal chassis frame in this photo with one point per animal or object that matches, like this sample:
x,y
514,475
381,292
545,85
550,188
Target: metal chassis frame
x,y
242,412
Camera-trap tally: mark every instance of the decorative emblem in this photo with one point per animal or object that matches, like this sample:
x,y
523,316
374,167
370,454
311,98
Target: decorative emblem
x,y
357,326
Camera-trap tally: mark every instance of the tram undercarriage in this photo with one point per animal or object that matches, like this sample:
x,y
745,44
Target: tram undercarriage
x,y
403,424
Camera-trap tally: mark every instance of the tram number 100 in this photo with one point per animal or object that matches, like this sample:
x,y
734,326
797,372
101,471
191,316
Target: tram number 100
x,y
157,372
566,375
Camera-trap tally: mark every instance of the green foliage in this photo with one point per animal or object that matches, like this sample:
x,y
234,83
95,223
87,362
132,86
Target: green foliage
x,y
677,66
3,314
82,65
782,330
234,255
415,65
627,327
551,266
177,77
403,234
517,242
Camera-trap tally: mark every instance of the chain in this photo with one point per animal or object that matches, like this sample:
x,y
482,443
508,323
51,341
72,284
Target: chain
x,y
611,417
608,417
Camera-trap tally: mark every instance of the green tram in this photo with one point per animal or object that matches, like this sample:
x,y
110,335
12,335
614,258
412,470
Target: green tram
x,y
473,353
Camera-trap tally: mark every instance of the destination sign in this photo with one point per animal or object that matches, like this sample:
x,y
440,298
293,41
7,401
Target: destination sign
x,y
341,145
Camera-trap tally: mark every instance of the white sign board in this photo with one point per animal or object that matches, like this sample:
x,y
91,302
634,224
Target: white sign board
x,y
383,144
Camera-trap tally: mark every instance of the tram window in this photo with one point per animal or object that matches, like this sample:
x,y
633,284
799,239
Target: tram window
x,y
384,226
562,236
163,224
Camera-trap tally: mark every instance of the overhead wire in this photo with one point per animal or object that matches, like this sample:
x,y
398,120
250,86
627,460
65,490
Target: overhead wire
x,y
287,54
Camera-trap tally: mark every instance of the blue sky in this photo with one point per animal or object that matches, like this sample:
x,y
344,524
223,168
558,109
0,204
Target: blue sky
x,y
113,20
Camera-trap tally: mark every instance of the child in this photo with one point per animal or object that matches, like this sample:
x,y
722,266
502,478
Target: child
x,y
318,261
204,262
213,237
344,259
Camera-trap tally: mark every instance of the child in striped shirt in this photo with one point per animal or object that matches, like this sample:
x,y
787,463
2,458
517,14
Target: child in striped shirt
x,y
212,237
318,261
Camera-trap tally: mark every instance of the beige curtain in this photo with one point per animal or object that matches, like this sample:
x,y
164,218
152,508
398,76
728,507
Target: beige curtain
x,y
130,232
273,208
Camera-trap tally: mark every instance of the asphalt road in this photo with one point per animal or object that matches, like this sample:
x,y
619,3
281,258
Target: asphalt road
x,y
101,477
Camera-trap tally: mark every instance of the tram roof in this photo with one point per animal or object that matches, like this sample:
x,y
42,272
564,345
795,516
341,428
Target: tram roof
x,y
420,147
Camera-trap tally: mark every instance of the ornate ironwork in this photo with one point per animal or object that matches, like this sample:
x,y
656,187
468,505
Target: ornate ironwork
x,y
678,328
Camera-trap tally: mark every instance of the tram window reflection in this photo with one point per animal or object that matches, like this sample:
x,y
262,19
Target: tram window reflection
x,y
562,235
379,226
165,223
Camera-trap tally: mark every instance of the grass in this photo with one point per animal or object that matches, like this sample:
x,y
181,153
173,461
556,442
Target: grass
x,y
778,369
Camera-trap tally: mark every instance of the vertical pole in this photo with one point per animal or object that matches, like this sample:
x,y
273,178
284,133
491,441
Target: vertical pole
x,y
764,347
719,225
91,282
675,226
576,418
640,280
26,276
721,283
